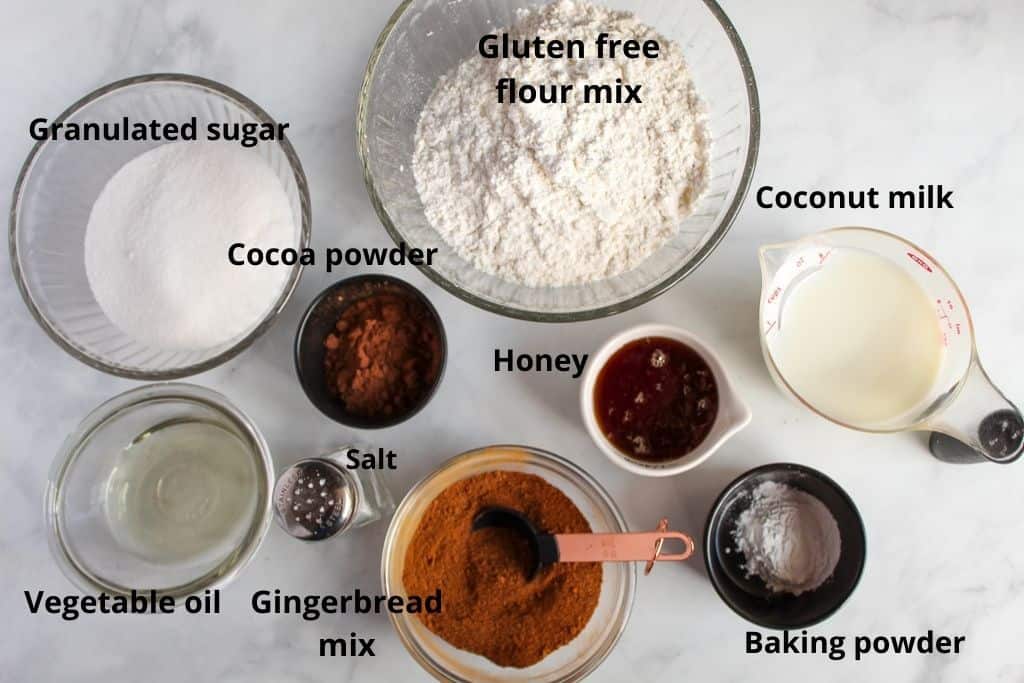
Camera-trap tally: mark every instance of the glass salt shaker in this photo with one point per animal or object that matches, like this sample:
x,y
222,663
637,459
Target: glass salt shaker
x,y
319,498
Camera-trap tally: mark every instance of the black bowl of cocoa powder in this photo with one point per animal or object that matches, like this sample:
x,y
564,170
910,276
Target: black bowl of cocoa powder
x,y
370,351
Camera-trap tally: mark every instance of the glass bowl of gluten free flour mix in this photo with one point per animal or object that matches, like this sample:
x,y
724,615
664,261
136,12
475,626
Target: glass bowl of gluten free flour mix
x,y
125,214
500,133
559,626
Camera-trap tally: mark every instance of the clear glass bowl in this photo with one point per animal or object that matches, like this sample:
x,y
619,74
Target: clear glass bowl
x,y
572,662
90,553
59,184
426,38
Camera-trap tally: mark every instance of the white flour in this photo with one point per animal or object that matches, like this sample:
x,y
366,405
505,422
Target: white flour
x,y
156,246
788,538
562,194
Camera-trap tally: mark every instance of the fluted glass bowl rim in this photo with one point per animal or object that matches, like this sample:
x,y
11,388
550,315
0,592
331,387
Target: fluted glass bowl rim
x,y
50,328
652,292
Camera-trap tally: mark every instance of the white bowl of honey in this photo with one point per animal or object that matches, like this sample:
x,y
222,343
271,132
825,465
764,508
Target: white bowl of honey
x,y
658,402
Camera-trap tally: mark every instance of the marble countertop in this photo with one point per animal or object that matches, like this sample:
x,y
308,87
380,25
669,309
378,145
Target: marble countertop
x,y
855,93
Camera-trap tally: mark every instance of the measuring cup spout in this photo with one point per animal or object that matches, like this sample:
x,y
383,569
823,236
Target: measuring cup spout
x,y
981,418
771,257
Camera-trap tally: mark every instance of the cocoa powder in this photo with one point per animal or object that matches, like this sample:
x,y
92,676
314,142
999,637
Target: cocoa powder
x,y
490,608
383,356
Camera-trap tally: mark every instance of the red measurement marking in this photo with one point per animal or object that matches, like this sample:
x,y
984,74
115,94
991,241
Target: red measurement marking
x,y
800,262
771,326
944,317
823,256
774,295
945,339
919,261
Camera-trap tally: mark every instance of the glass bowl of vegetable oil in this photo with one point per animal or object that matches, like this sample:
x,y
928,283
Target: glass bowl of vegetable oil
x,y
166,487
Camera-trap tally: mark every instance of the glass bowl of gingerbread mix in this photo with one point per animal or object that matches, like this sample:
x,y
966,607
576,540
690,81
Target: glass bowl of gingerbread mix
x,y
370,351
499,621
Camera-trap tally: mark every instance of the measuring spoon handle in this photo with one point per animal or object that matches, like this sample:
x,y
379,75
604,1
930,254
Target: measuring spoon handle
x,y
638,547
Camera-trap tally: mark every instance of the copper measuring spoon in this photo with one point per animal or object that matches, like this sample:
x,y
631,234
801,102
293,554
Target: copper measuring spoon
x,y
547,549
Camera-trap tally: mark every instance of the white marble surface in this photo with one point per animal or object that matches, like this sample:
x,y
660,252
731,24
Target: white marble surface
x,y
855,93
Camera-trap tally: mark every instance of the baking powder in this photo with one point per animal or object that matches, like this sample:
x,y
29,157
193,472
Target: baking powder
x,y
788,538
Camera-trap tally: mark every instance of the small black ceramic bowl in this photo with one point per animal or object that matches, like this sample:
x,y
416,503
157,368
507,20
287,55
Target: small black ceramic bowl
x,y
319,320
749,596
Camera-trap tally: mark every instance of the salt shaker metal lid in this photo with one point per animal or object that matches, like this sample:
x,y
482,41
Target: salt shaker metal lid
x,y
315,499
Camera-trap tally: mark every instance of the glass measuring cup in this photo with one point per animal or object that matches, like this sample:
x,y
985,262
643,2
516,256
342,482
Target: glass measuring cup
x,y
962,401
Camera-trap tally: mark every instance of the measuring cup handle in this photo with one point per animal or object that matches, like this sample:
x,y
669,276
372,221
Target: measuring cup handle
x,y
984,422
636,547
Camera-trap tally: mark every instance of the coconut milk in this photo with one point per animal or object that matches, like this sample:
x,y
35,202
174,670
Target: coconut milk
x,y
860,341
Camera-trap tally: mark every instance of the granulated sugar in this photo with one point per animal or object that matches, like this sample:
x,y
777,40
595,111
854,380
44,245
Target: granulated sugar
x,y
788,538
562,194
156,246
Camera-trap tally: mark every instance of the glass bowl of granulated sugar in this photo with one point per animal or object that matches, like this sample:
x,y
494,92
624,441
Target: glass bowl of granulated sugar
x,y
124,219
560,160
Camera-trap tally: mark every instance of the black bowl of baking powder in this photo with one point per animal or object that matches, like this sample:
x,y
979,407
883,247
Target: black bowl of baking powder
x,y
749,596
